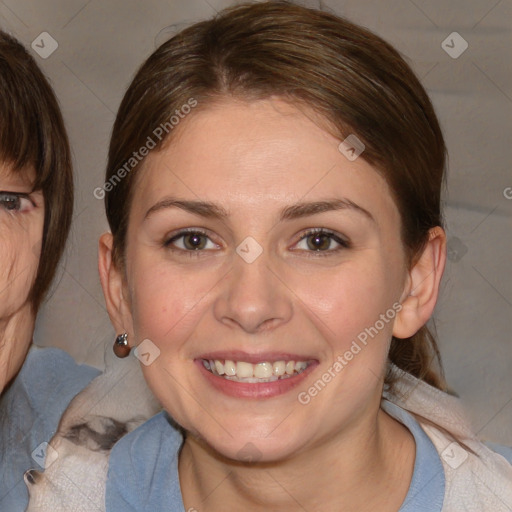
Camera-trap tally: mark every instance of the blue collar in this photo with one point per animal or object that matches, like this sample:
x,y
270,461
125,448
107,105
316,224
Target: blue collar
x,y
426,492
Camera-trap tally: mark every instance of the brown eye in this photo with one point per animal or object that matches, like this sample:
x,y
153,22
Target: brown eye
x,y
194,241
318,242
14,202
10,201
190,241
321,241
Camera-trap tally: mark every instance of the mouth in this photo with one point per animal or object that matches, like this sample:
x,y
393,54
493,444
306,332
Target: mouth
x,y
253,373
262,375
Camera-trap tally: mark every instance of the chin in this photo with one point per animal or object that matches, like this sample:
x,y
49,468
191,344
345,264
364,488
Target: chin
x,y
247,448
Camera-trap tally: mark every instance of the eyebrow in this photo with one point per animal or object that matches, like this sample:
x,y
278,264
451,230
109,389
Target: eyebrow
x,y
295,211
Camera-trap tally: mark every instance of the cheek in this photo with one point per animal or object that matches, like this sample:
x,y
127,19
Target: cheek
x,y
349,300
19,257
166,302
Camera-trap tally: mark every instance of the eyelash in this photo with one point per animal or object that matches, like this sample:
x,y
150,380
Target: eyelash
x,y
343,243
6,199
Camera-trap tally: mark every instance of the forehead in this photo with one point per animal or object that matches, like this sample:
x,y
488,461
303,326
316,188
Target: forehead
x,y
24,177
253,154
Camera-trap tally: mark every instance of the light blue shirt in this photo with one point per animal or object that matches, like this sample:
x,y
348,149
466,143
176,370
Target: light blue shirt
x,y
143,470
30,411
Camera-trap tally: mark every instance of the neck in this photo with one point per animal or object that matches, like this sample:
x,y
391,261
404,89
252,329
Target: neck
x,y
368,468
16,332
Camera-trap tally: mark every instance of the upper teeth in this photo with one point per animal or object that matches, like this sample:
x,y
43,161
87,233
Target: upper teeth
x,y
263,370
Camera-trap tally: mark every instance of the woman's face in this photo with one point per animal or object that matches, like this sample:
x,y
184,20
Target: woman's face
x,y
21,231
253,287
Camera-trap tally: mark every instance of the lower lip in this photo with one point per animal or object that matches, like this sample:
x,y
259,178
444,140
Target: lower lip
x,y
257,389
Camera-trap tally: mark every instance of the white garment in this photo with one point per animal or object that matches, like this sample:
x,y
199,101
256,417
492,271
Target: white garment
x,y
477,479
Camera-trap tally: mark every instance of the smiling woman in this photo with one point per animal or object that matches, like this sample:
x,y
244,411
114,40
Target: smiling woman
x,y
285,240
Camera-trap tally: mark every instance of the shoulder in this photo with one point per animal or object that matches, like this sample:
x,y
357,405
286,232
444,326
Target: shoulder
x,y
504,451
48,381
30,411
48,367
156,433
477,478
143,468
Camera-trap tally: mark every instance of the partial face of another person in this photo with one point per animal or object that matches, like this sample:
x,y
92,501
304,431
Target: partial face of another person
x,y
255,246
21,231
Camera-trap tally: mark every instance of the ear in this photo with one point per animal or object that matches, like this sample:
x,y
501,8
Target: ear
x,y
114,288
422,286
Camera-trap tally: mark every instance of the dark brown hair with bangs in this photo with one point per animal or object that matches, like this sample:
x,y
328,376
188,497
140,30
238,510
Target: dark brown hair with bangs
x,y
32,134
356,81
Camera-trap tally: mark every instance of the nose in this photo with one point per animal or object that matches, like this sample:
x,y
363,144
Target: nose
x,y
253,297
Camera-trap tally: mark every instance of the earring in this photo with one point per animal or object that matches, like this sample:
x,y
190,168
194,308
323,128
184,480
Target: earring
x,y
121,347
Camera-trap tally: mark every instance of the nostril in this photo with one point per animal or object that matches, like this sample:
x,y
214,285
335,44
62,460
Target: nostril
x,y
30,476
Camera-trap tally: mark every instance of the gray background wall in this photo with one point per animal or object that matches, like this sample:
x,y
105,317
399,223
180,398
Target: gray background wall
x,y
100,45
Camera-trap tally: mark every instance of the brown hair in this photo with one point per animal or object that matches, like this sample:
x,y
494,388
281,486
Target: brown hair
x,y
356,81
32,133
